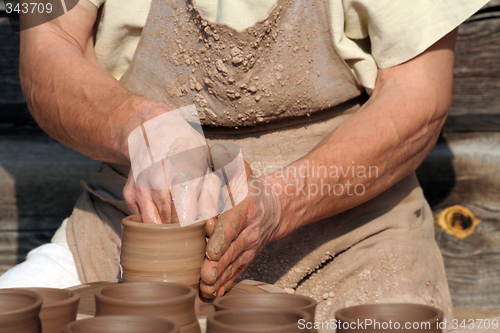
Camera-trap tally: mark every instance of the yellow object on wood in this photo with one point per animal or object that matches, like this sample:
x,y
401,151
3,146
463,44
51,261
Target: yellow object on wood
x,y
457,221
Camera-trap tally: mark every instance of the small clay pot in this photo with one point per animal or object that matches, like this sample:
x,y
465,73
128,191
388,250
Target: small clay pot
x,y
122,324
252,320
173,301
162,252
59,308
230,302
19,311
389,318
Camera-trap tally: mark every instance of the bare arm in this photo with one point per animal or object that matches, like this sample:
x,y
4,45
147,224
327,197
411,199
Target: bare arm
x,y
393,132
78,103
71,96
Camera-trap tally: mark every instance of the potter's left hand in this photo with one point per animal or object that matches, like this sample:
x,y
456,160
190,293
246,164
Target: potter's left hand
x,y
238,237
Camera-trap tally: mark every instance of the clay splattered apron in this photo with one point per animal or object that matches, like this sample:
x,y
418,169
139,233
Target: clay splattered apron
x,y
276,89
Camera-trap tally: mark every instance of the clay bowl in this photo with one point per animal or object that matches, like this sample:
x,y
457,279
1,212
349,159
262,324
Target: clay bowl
x,y
397,314
169,300
162,252
252,320
230,302
59,308
122,324
19,311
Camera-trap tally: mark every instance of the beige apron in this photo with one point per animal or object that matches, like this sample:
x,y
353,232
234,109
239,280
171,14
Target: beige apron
x,y
276,89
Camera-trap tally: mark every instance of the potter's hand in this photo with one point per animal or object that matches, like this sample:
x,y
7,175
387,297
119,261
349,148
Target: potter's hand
x,y
195,201
238,237
170,163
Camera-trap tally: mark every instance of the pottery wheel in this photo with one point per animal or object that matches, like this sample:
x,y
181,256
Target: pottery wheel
x,y
203,309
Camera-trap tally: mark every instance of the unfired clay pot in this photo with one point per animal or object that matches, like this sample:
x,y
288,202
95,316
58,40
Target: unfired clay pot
x,y
169,300
252,320
59,308
162,252
299,302
385,318
122,324
19,311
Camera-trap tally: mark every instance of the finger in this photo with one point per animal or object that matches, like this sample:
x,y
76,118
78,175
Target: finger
x,y
208,202
210,226
228,284
185,197
147,207
129,191
174,218
163,203
229,225
129,196
225,281
211,272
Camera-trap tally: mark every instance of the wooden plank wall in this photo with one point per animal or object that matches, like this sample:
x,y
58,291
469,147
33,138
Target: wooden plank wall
x,y
39,177
476,97
464,167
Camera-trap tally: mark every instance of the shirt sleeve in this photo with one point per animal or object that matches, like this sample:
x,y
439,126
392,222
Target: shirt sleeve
x,y
399,30
97,3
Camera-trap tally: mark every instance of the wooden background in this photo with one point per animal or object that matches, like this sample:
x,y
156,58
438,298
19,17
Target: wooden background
x,y
39,178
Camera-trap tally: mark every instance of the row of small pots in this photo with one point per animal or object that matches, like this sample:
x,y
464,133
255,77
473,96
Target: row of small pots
x,y
31,309
119,308
126,306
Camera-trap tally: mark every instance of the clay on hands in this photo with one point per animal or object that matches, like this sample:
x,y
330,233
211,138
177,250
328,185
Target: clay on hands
x,y
239,236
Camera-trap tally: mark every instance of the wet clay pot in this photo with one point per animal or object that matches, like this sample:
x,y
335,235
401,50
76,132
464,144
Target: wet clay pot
x,y
252,320
59,308
230,302
162,252
122,324
173,301
19,311
389,318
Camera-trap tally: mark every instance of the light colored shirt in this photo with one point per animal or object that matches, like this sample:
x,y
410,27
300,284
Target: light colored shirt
x,y
368,34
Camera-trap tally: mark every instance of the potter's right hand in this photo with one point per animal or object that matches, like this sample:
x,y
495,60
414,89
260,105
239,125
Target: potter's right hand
x,y
171,162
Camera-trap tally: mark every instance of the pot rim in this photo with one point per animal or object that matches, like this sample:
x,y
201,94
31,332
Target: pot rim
x,y
69,326
16,291
129,222
243,312
311,302
340,314
120,301
73,296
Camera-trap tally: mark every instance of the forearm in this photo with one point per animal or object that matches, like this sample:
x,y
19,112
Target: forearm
x,y
71,96
383,142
